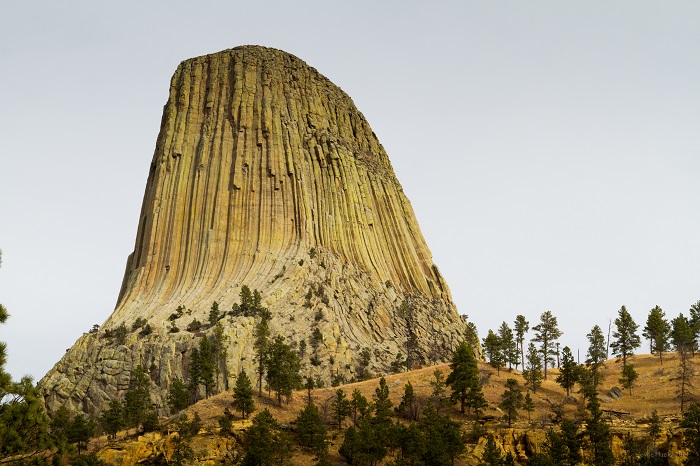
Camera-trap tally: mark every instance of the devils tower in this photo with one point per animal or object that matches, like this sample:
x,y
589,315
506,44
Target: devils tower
x,y
264,175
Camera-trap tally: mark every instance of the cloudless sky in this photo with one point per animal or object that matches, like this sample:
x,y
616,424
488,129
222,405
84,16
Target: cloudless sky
x,y
551,150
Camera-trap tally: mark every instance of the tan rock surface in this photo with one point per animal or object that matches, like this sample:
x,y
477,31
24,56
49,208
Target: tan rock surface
x,y
264,174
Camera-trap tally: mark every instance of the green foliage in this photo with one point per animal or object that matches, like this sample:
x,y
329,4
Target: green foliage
x,y
464,380
283,368
340,407
682,335
437,397
691,434
261,346
113,419
194,325
310,431
532,372
600,449
226,423
494,351
265,443
657,331
471,335
629,377
146,330
408,408
511,400
178,396
625,335
547,333
442,438
243,395
597,353
214,314
363,445
89,459
359,405
316,338
137,399
528,405
177,314
398,364
23,421
493,455
521,328
568,373
138,323
508,346
564,447
182,451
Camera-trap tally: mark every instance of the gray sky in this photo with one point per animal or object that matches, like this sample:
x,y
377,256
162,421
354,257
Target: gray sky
x,y
550,149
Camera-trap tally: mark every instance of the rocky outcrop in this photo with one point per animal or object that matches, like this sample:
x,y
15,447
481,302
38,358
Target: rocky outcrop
x,y
266,175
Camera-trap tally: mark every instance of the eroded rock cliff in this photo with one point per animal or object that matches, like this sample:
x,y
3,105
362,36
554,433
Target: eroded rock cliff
x,y
266,175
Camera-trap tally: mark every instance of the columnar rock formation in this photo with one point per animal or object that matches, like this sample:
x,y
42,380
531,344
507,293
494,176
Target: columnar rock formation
x,y
266,175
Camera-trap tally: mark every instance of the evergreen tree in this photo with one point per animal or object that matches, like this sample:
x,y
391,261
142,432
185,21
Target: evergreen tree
x,y
511,400
568,373
359,405
626,338
112,419
547,333
261,344
694,313
226,423
493,349
80,432
564,447
283,368
521,328
442,438
528,405
657,331
207,366
182,451
311,432
195,375
243,395
178,396
219,342
533,368
596,354
137,400
439,388
629,376
598,432
365,445
682,335
408,408
264,442
411,444
509,347
472,335
691,434
382,404
214,314
493,455
340,407
464,380
406,312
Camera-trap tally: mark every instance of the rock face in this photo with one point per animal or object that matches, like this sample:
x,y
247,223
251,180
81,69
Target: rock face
x,y
266,175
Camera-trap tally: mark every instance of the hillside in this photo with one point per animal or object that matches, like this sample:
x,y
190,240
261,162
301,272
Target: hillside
x,y
655,390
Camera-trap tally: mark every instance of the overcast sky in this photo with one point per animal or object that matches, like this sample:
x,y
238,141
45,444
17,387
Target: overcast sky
x,y
550,149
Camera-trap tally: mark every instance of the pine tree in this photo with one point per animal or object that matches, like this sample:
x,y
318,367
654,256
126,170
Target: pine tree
x,y
629,376
682,335
509,347
626,338
80,432
214,314
439,388
310,431
568,373
657,331
493,455
208,366
195,375
694,313
533,368
112,419
547,333
261,344
359,405
596,354
408,408
264,442
243,395
511,400
340,407
137,400
598,434
283,368
528,405
493,349
442,438
464,380
691,434
521,328
178,396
